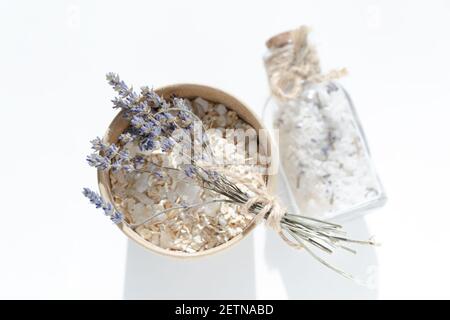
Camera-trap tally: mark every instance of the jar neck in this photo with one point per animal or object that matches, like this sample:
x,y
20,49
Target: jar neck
x,y
279,40
292,62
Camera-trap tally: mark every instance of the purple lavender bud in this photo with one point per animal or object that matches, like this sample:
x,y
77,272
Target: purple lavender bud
x,y
137,121
150,95
123,156
147,144
98,145
116,83
171,126
118,103
117,217
213,175
111,151
112,78
180,104
167,144
116,166
122,89
128,167
158,174
155,131
125,138
138,108
93,197
169,116
138,161
189,126
97,161
184,116
189,171
108,208
131,98
147,127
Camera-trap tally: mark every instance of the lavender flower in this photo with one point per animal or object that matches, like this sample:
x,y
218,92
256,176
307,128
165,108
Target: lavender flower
x,y
155,100
138,108
99,162
149,127
117,84
107,208
137,122
93,197
180,104
128,167
98,145
123,156
132,98
128,100
125,138
158,174
122,162
138,161
117,217
97,200
167,144
165,117
118,103
155,131
147,144
111,151
116,166
189,171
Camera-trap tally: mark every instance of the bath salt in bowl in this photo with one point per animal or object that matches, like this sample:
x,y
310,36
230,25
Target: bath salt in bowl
x,y
183,229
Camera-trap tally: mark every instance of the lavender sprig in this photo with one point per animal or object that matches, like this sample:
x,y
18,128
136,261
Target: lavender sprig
x,y
97,200
98,145
98,161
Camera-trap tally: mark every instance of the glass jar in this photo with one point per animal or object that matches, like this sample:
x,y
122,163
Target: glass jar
x,y
326,165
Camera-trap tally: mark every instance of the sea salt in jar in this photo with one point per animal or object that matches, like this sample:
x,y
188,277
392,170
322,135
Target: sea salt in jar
x,y
324,154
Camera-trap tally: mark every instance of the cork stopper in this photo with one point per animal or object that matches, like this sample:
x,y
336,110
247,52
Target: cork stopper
x,y
279,40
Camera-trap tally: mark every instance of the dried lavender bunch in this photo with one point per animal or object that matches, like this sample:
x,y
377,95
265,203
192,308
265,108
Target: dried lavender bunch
x,y
169,126
108,208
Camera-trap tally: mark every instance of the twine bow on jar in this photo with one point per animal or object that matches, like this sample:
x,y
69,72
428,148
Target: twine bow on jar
x,y
293,62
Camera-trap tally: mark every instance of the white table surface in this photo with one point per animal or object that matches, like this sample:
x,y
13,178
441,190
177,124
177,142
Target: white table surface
x,y
54,99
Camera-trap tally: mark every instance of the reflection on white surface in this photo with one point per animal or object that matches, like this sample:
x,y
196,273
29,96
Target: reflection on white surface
x,y
224,275
305,278
231,273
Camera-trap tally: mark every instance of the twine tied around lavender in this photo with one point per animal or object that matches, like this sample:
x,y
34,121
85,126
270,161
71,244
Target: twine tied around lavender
x,y
294,62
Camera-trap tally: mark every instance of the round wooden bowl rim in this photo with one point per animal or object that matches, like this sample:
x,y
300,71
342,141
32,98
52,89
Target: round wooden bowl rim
x,y
210,94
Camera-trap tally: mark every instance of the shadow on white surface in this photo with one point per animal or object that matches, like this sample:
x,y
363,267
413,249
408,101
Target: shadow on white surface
x,y
231,274
224,275
306,278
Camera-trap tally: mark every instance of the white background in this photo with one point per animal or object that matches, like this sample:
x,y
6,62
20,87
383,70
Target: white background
x,y
54,99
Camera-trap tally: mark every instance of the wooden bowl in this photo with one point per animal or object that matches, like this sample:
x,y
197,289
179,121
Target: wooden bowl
x,y
119,124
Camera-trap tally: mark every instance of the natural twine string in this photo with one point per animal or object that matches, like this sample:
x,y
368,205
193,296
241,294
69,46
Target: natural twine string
x,y
270,204
270,207
272,211
295,64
